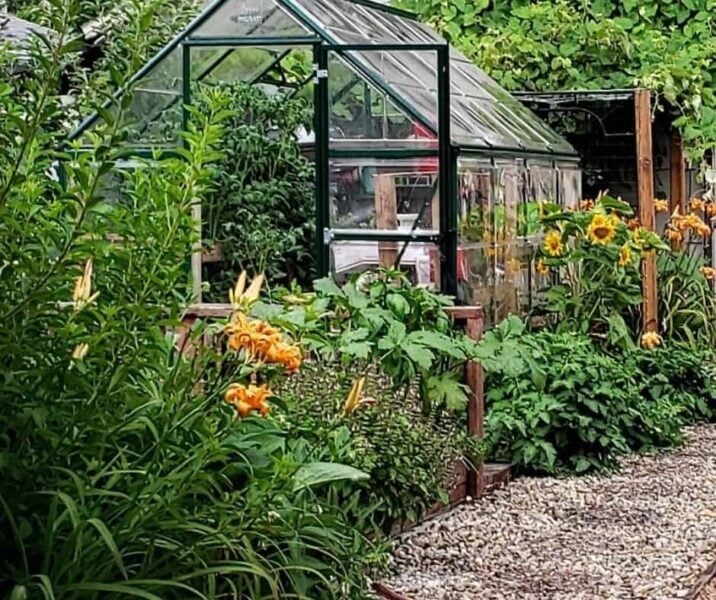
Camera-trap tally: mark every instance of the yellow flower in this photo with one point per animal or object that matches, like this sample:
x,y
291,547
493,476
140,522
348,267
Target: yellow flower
x,y
673,235
650,339
602,229
541,267
513,266
708,272
82,294
661,206
354,396
553,243
248,399
624,256
80,352
697,205
711,209
240,296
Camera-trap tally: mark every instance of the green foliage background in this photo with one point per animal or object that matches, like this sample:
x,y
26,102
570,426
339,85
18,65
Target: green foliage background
x,y
667,46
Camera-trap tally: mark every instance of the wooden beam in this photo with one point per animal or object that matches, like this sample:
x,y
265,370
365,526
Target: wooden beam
x,y
677,197
475,408
645,179
386,217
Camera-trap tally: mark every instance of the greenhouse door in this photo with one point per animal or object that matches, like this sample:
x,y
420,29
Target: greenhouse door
x,y
383,163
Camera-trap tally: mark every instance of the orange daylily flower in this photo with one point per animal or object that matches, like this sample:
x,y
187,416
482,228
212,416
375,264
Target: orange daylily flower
x,y
697,205
650,339
661,206
248,399
708,272
262,342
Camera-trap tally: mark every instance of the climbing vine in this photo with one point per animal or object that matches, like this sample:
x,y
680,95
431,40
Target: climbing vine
x,y
667,46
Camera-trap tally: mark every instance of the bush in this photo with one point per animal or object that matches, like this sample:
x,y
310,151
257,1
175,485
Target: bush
x,y
410,457
262,209
407,427
125,472
557,403
687,305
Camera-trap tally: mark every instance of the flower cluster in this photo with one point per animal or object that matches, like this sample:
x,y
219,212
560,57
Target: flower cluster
x,y
679,225
650,340
708,272
262,342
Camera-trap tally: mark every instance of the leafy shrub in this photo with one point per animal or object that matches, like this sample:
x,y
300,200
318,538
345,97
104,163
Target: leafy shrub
x,y
409,456
125,472
684,375
556,402
262,209
687,305
382,319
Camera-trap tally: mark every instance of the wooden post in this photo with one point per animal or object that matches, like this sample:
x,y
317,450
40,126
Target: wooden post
x,y
386,217
476,406
677,198
645,179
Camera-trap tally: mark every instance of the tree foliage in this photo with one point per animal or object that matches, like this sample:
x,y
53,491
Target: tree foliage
x,y
667,46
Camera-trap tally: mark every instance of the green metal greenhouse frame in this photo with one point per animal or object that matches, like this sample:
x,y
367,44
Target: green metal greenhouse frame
x,y
485,109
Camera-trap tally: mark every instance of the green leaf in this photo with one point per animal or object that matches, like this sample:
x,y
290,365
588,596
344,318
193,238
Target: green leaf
x,y
327,287
437,341
318,473
419,355
446,390
357,349
109,542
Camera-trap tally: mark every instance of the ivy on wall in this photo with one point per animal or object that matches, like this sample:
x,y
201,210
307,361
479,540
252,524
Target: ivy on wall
x,y
666,46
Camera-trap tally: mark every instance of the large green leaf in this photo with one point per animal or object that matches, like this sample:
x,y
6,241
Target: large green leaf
x,y
318,473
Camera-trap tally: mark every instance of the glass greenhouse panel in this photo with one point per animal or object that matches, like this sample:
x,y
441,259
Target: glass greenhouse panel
x,y
513,283
348,22
281,66
251,18
476,208
361,111
412,75
476,277
395,195
154,116
419,260
230,64
478,101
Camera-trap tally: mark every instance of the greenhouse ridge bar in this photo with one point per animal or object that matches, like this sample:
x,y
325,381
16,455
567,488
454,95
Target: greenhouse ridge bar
x,y
420,158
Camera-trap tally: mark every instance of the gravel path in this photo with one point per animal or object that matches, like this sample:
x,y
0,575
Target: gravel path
x,y
647,532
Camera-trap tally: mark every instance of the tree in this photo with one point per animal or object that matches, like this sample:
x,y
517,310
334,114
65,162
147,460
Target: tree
x,y
666,46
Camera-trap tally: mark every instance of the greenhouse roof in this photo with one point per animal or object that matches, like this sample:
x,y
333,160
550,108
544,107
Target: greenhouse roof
x,y
388,48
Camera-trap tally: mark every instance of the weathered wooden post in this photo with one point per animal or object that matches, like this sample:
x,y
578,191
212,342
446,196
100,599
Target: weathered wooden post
x,y
645,179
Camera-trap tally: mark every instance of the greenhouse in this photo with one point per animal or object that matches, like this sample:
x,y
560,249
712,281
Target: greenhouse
x,y
421,160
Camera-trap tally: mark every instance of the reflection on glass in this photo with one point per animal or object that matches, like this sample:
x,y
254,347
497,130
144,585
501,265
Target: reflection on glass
x,y
420,260
390,195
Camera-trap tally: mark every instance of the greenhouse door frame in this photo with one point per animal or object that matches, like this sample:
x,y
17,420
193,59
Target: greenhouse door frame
x,y
447,237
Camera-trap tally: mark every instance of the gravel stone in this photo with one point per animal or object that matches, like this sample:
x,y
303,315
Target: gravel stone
x,y
647,532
